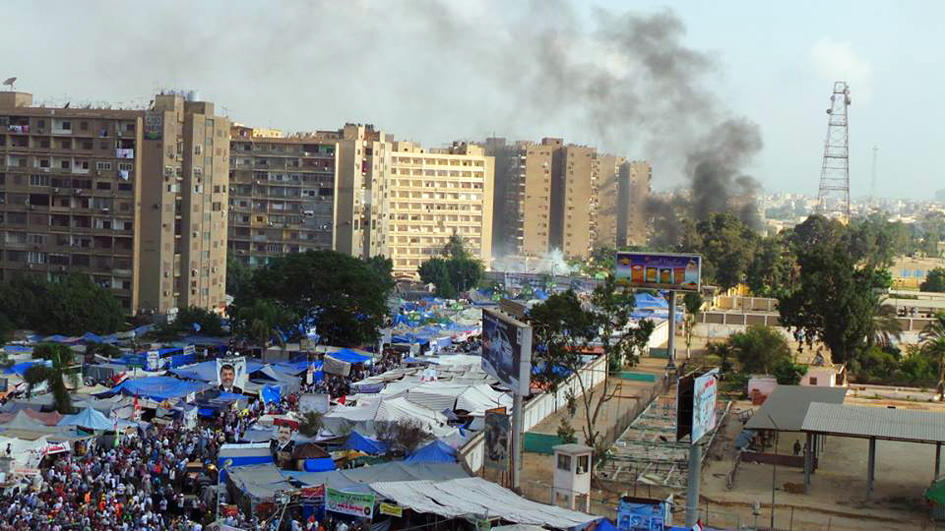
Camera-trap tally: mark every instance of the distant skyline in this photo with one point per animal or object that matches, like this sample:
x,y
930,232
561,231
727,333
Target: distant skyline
x,y
435,71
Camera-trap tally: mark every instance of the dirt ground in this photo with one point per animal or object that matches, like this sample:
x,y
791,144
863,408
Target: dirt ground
x,y
837,498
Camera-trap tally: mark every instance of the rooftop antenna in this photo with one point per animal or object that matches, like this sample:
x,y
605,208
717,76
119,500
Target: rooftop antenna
x,y
9,82
873,176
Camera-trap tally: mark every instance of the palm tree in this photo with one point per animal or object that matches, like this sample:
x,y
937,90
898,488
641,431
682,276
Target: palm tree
x,y
884,326
932,343
261,321
54,374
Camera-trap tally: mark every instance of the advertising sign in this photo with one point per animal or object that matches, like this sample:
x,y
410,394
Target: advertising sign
x,y
680,272
705,390
391,509
352,503
695,404
498,427
153,125
506,350
231,374
313,495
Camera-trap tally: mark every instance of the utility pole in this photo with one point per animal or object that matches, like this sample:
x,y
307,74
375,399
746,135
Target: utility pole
x,y
833,197
873,177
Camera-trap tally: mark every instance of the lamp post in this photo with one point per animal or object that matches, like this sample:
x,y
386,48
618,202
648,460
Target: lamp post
x,y
774,462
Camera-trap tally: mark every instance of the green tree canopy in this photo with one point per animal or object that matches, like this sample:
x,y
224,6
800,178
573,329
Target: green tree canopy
x,y
239,276
261,320
72,305
934,281
454,272
759,349
346,296
62,360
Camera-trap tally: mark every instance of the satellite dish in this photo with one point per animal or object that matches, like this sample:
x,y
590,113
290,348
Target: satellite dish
x,y
9,82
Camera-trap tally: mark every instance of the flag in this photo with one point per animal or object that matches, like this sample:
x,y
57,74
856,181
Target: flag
x,y
196,327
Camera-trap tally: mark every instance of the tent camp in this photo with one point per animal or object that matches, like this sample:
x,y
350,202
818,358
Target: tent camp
x,y
158,388
359,442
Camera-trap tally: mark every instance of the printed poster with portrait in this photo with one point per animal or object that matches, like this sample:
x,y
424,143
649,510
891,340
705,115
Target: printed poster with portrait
x,y
231,375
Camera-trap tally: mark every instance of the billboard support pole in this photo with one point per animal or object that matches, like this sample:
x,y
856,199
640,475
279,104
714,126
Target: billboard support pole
x,y
517,442
692,487
671,346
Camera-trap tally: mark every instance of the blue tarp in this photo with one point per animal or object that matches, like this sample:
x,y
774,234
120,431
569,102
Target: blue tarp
x,y
408,360
18,349
88,418
207,371
21,367
320,464
349,356
359,442
557,370
646,300
229,396
435,452
158,388
296,367
271,394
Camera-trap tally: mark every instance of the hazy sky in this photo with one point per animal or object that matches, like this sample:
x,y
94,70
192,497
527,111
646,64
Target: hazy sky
x,y
645,84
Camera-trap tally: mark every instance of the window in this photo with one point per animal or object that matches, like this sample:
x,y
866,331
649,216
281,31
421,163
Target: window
x,y
43,163
582,464
67,126
65,164
84,126
41,124
813,380
564,462
126,166
103,165
39,180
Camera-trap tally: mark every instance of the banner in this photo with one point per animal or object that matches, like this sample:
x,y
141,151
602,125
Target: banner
x,y
705,391
352,503
231,374
391,509
313,495
680,272
497,428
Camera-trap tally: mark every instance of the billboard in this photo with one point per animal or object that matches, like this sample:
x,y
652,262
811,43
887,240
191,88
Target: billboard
x,y
695,404
680,272
351,503
498,427
506,350
705,391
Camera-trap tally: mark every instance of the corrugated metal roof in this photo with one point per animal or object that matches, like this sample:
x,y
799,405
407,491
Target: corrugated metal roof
x,y
787,405
882,423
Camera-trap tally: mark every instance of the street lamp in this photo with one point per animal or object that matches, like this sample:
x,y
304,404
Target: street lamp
x,y
774,469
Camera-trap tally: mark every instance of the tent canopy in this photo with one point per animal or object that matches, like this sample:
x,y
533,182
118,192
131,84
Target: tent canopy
x,y
88,418
21,368
435,452
359,442
348,356
159,387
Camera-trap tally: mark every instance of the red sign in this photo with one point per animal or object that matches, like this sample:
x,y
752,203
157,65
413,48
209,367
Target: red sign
x,y
231,510
314,494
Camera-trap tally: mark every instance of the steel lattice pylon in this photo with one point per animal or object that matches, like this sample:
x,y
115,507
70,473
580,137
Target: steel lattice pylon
x,y
833,198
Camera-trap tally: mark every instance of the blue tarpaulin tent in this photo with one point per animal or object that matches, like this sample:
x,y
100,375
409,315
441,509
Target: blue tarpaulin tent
x,y
17,349
435,452
359,442
88,418
21,367
646,300
158,388
271,394
349,356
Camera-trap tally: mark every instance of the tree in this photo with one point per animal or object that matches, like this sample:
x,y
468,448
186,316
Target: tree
x,y
932,344
934,281
71,305
454,272
787,372
402,437
192,320
565,329
101,349
262,321
384,267
885,327
759,349
239,276
311,423
833,300
345,296
692,302
727,246
772,268
61,367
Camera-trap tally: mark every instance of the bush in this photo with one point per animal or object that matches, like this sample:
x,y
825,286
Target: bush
x,y
402,437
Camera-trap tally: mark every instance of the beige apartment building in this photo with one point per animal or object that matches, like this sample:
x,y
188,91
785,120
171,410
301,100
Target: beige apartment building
x,y
433,194
133,198
608,200
282,194
636,178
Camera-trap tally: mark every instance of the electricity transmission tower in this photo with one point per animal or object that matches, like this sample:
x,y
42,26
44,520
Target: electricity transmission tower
x,y
833,198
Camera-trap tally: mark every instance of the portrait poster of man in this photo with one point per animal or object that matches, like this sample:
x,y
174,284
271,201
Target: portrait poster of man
x,y
282,446
231,375
497,428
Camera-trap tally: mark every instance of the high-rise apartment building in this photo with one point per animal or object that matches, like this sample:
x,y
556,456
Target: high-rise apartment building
x,y
183,206
135,199
608,200
575,202
360,192
634,189
433,194
282,194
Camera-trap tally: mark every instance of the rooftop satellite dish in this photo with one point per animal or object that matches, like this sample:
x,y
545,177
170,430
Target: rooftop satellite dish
x,y
9,82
